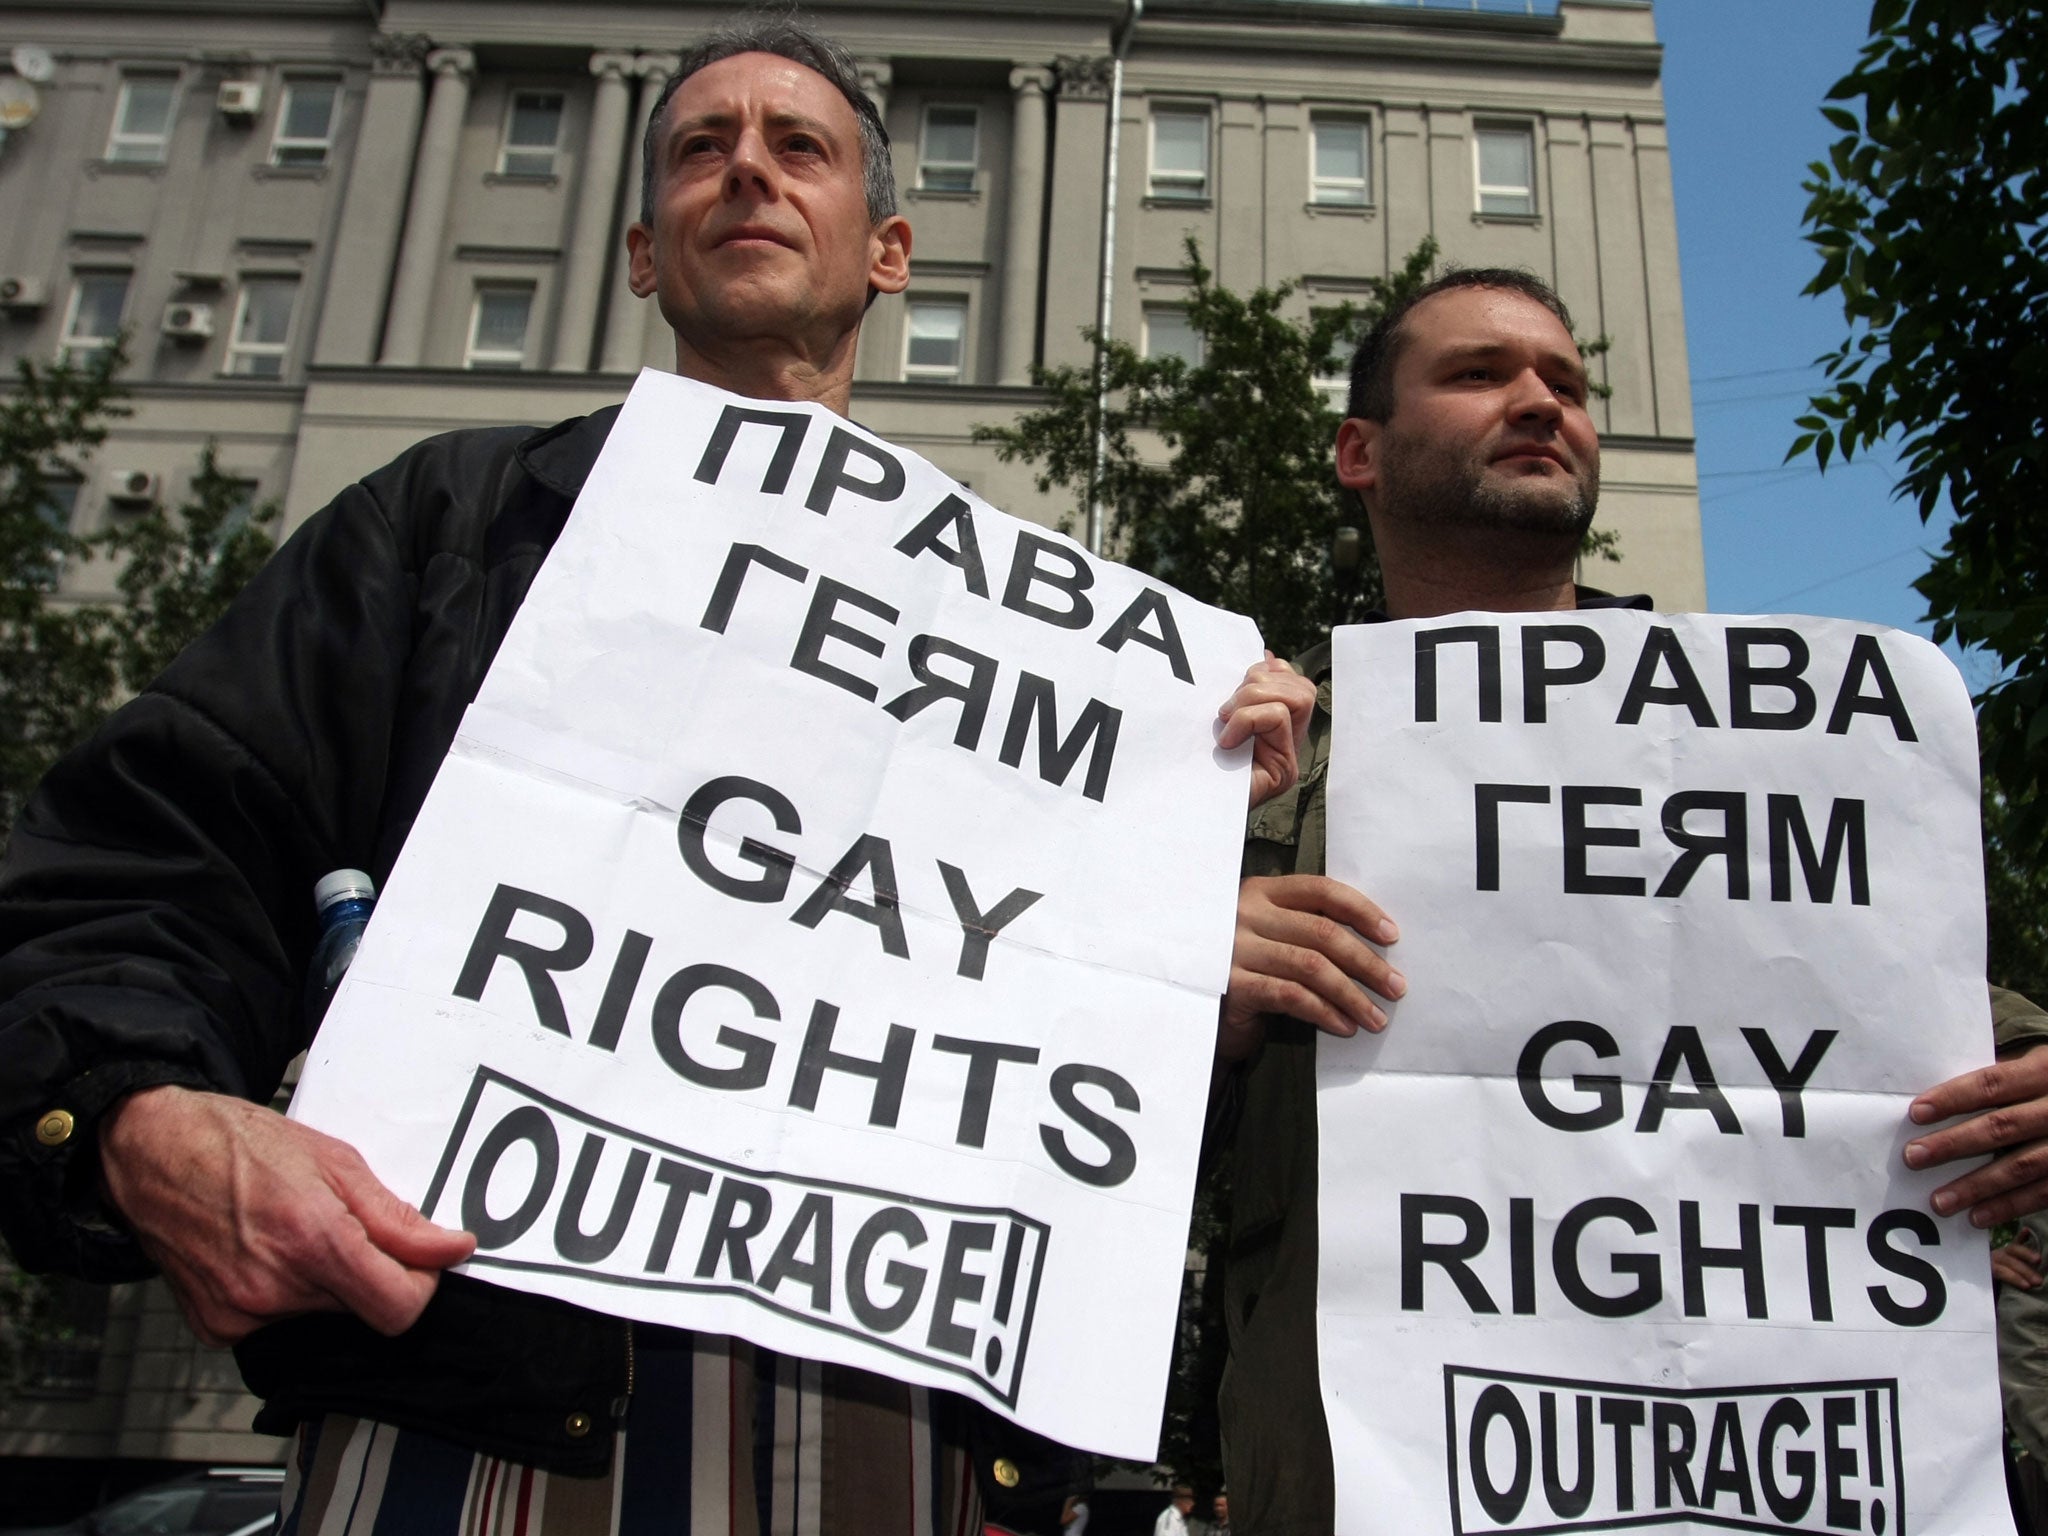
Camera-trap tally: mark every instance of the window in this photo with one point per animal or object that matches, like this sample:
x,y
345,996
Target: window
x,y
497,326
1506,161
950,148
93,319
935,340
533,134
1333,373
305,123
1180,154
56,507
1341,172
1169,333
263,326
142,119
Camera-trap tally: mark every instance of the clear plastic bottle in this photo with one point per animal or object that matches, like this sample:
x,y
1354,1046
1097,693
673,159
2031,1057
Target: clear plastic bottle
x,y
344,899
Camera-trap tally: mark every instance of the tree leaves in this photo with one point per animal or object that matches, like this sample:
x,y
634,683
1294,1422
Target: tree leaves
x,y
1219,475
1930,221
63,666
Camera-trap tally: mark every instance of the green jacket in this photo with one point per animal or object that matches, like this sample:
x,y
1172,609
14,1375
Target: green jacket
x,y
1276,1446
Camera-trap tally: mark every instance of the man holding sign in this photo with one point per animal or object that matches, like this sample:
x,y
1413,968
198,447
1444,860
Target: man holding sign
x,y
155,922
1470,444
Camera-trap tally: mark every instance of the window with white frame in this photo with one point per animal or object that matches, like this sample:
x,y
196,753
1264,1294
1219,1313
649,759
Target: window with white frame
x,y
92,320
263,326
241,511
935,340
141,133
949,148
1504,156
533,134
1180,153
498,324
57,505
305,123
1169,333
1333,373
1340,169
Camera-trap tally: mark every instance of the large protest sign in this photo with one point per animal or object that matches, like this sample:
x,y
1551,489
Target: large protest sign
x,y
815,931
1614,1229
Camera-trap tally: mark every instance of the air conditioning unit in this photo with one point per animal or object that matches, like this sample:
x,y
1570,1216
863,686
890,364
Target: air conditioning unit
x,y
188,322
134,488
240,100
23,294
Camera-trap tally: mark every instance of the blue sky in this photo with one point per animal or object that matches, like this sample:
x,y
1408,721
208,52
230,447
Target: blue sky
x,y
1743,81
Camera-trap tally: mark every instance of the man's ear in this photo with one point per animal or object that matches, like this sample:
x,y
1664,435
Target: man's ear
x,y
889,255
640,259
1358,453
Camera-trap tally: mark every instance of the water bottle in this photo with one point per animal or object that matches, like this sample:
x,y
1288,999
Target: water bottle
x,y
344,899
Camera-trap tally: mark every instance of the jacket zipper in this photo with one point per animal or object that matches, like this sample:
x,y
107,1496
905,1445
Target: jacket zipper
x,y
625,1400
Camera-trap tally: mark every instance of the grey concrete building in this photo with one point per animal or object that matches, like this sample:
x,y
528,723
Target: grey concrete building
x,y
333,228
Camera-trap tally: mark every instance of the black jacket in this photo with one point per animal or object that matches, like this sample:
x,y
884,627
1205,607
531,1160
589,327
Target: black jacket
x,y
156,919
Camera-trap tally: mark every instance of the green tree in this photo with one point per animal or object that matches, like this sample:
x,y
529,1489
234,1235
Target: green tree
x,y
1930,216
1218,474
57,666
63,664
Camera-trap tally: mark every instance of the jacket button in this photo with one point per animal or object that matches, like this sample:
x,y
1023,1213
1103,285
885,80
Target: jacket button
x,y
54,1129
578,1425
1006,1472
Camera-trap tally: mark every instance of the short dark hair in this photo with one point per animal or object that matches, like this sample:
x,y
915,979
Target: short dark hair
x,y
784,37
1379,349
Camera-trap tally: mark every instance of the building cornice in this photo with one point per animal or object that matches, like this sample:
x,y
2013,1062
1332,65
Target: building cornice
x,y
1465,48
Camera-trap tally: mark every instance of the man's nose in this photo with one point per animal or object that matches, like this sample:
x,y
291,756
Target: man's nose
x,y
1534,400
750,167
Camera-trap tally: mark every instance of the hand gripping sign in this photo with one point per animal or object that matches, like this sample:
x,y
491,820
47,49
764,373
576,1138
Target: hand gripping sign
x,y
814,933
1614,1227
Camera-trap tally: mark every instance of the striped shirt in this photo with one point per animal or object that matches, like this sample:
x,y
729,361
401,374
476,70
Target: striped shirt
x,y
721,1439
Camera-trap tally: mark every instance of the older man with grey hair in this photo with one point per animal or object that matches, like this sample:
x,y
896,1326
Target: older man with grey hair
x,y
154,925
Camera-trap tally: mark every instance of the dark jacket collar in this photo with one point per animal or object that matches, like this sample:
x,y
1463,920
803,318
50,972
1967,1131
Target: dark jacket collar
x,y
559,457
1587,597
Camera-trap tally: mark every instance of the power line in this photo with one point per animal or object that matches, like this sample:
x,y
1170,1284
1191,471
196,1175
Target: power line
x,y
1771,603
1754,373
1802,468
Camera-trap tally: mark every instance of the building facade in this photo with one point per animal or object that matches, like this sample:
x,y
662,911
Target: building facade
x,y
331,229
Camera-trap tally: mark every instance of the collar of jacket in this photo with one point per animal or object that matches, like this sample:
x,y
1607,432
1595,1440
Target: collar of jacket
x,y
559,457
1586,597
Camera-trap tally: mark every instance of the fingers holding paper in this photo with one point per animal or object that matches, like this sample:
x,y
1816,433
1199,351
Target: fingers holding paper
x,y
2004,1110
1302,949
253,1217
1271,710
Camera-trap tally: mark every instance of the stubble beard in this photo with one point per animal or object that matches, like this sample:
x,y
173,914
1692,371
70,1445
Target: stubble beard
x,y
1438,487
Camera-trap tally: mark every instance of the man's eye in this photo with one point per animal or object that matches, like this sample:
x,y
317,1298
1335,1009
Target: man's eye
x,y
801,143
700,144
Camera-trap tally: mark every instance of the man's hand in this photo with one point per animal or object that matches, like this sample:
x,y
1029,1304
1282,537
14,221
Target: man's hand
x,y
1299,952
253,1217
2008,1107
1271,710
2018,1262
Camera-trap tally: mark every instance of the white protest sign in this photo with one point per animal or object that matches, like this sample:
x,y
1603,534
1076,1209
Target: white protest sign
x,y
1614,1227
815,931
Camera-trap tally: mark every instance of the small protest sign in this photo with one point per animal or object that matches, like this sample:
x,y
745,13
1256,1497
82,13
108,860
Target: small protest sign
x,y
1614,1227
815,931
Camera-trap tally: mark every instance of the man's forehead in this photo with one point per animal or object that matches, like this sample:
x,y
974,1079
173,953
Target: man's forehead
x,y
1478,319
766,83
